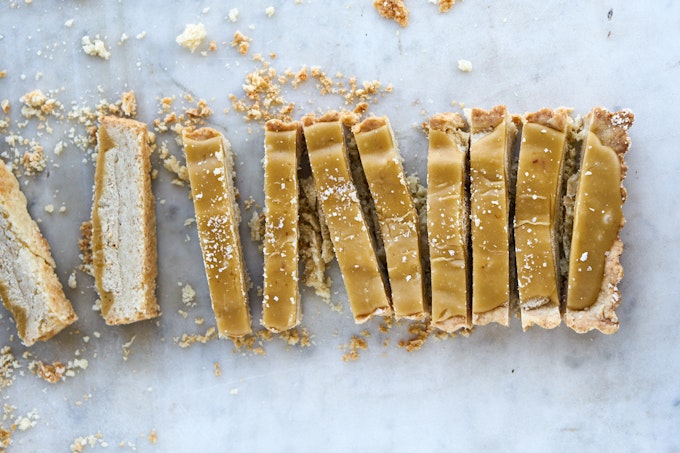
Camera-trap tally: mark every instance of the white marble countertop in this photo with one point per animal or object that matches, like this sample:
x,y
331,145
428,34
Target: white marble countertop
x,y
499,389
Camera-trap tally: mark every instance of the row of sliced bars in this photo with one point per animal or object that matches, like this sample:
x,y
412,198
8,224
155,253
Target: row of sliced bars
x,y
499,223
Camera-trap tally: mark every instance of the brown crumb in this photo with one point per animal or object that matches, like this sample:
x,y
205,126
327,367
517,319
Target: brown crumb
x,y
50,372
393,9
187,340
153,437
419,333
3,73
294,337
355,345
85,246
241,42
386,325
445,5
213,46
7,366
217,369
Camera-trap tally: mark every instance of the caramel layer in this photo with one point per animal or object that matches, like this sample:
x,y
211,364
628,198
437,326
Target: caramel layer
x,y
345,219
397,215
598,215
281,296
447,222
536,208
489,207
210,166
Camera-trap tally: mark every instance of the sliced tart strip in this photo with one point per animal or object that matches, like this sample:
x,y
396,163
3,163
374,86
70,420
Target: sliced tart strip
x,y
493,134
124,249
281,295
210,163
448,222
397,216
594,267
29,287
537,209
344,216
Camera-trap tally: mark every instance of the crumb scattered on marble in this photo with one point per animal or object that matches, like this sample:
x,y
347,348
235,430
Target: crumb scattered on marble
x,y
192,36
392,9
465,65
95,48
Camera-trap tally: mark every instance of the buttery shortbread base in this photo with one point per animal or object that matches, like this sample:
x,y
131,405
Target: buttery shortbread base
x,y
29,287
601,315
124,223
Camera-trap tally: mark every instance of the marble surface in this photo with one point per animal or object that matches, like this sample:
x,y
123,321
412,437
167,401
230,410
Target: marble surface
x,y
499,389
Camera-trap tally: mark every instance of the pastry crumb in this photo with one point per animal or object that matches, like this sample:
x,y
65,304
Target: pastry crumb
x,y
241,42
95,48
233,15
153,437
392,9
445,5
192,36
355,344
465,65
270,11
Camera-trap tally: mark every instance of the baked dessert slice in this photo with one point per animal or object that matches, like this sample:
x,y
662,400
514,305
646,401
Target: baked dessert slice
x,y
210,164
493,134
397,216
448,222
124,223
29,287
594,267
344,216
281,295
537,215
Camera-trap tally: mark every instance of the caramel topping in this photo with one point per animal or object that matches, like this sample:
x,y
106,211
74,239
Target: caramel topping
x,y
281,296
447,228
489,221
397,215
210,167
598,215
342,210
537,195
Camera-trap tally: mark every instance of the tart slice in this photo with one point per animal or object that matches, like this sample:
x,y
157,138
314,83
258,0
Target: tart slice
x,y
210,164
594,267
29,287
397,216
344,216
281,295
537,209
448,222
493,134
124,252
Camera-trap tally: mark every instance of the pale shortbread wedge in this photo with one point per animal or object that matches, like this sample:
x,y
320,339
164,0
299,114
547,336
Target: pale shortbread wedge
x,y
281,295
537,210
397,216
343,213
493,134
210,163
124,223
448,222
29,288
594,267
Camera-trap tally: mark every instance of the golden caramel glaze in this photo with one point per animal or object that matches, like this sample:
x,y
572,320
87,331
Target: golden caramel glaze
x,y
537,206
448,222
210,166
492,137
342,210
397,216
594,267
281,296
